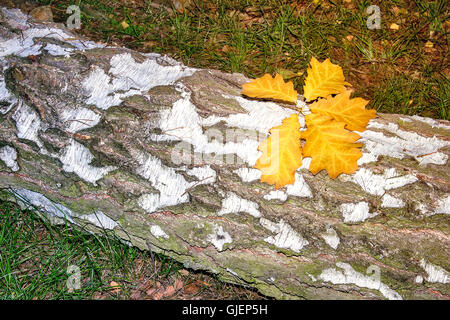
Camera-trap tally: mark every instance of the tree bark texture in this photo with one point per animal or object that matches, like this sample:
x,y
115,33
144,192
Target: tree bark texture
x,y
162,154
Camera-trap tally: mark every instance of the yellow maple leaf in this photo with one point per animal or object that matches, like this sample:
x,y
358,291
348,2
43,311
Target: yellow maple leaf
x,y
330,146
341,108
271,88
282,153
323,79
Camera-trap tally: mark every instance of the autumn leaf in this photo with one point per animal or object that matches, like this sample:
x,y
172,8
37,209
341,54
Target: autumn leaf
x,y
270,88
394,26
169,291
330,142
114,287
281,153
330,146
323,79
429,44
341,108
195,287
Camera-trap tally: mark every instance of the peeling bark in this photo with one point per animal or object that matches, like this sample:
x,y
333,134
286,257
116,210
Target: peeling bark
x,y
163,154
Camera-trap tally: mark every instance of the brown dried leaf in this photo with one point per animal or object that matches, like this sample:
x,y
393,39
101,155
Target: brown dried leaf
x,y
183,272
192,288
170,291
115,287
136,295
179,284
158,295
150,291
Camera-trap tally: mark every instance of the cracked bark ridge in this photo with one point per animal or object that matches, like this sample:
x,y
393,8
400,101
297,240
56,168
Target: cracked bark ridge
x,y
162,154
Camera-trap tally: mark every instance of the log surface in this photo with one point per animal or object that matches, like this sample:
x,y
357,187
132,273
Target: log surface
x,y
160,153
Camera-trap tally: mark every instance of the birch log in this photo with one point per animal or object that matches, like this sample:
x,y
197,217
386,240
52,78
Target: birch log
x,y
160,153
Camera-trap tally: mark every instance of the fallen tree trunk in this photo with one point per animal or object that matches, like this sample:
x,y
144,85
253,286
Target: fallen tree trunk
x,y
162,155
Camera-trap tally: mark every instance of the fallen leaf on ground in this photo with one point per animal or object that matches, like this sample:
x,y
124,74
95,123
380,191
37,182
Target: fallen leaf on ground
x,y
288,74
193,287
97,296
179,284
206,284
43,13
181,5
226,48
342,108
396,10
158,295
149,43
183,272
170,291
394,26
145,285
150,291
